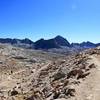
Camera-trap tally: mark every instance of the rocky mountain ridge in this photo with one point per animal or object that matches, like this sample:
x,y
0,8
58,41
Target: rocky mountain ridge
x,y
58,42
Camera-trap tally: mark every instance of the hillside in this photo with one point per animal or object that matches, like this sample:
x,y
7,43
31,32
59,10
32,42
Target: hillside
x,y
38,75
57,44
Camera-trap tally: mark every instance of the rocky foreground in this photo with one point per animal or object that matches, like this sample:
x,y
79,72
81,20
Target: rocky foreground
x,y
37,75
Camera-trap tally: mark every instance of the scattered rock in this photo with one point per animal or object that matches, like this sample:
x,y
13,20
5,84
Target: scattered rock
x,y
14,92
70,92
58,76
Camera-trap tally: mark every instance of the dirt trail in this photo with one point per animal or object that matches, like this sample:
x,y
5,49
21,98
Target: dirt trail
x,y
90,88
10,82
36,72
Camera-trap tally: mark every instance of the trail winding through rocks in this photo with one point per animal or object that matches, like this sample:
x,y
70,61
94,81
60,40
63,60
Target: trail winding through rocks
x,y
90,88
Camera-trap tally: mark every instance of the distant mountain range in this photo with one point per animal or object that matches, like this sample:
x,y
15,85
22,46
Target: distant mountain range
x,y
58,42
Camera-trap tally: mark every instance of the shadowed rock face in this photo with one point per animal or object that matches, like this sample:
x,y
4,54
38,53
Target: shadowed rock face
x,y
62,41
56,42
15,41
24,43
46,44
85,45
88,44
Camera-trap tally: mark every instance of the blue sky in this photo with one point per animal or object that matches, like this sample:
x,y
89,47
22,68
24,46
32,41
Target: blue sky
x,y
76,20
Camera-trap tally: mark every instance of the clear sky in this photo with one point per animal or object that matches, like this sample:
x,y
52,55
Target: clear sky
x,y
76,20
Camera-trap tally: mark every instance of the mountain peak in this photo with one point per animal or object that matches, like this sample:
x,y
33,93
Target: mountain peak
x,y
62,41
59,37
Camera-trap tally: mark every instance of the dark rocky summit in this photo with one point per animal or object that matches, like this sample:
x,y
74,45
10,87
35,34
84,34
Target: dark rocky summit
x,y
62,41
56,42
